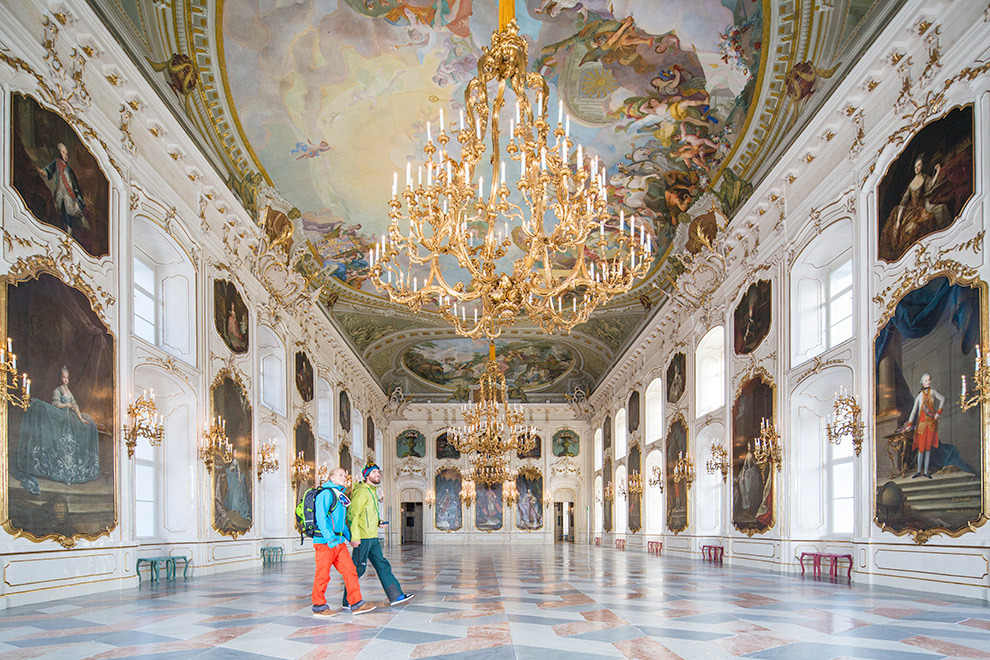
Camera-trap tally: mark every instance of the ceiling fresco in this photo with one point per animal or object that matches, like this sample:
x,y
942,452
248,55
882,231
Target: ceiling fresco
x,y
314,104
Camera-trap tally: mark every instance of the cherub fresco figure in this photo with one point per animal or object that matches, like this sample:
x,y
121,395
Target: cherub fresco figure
x,y
607,41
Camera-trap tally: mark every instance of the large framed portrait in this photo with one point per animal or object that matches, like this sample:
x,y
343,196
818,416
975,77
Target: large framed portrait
x,y
927,185
445,448
230,316
58,178
304,376
634,501
676,377
304,451
753,501
929,453
632,409
233,488
676,491
60,475
609,494
529,506
448,515
345,411
488,507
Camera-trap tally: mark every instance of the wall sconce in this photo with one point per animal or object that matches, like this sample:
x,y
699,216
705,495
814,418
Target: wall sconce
x,y
267,458
684,470
635,484
322,474
609,491
430,498
10,392
981,374
215,445
145,422
620,487
845,421
547,500
300,469
718,461
468,492
598,497
656,478
510,495
767,447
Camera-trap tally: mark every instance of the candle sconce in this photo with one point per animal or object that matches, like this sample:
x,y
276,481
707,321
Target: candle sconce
x,y
547,500
215,445
718,461
845,421
11,393
510,495
620,487
267,458
323,474
767,448
468,492
981,378
635,484
145,422
684,470
300,469
430,498
656,478
609,491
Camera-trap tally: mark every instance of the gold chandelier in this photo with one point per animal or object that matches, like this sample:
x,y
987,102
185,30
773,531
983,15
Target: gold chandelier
x,y
145,422
492,427
483,256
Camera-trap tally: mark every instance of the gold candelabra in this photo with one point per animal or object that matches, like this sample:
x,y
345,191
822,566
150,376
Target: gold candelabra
x,y
11,393
609,491
684,470
430,498
510,494
215,445
766,449
718,461
483,256
490,469
547,500
323,474
981,378
656,478
845,421
620,487
301,469
635,484
468,492
145,422
267,458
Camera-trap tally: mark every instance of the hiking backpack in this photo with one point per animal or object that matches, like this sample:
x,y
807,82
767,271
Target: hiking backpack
x,y
306,512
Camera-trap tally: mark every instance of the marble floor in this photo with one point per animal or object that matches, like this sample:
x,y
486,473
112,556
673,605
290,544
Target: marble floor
x,y
495,603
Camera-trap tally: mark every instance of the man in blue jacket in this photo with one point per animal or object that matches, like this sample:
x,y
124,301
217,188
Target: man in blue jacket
x,y
331,545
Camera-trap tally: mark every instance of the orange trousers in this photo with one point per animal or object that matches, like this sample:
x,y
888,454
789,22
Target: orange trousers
x,y
340,558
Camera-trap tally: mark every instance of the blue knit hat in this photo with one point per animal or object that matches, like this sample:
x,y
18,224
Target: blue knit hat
x,y
368,469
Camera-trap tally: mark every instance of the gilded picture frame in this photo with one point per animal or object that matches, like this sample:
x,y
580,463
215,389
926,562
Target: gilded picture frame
x,y
753,483
232,483
677,495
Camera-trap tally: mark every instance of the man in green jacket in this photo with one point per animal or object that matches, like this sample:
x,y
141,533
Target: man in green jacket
x,y
364,518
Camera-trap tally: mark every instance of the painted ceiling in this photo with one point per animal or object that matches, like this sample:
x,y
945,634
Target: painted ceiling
x,y
307,107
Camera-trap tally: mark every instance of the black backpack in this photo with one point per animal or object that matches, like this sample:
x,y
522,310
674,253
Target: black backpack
x,y
306,512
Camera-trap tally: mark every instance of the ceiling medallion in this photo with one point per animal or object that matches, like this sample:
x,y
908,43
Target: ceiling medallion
x,y
543,246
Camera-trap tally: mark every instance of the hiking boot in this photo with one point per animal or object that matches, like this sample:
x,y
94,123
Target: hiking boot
x,y
402,598
364,608
323,611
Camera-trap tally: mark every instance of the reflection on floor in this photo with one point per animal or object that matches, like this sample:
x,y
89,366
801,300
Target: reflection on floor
x,y
490,603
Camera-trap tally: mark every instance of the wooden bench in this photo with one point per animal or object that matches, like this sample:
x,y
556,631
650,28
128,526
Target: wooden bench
x,y
155,564
713,553
833,563
271,554
620,544
654,547
598,540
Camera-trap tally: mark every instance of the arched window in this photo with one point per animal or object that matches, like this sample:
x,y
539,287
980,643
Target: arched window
x,y
654,411
163,279
271,354
822,291
324,409
710,376
621,441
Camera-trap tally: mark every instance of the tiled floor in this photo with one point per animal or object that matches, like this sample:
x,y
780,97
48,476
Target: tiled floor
x,y
494,603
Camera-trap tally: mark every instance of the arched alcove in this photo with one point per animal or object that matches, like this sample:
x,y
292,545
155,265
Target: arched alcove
x,y
652,496
654,411
271,358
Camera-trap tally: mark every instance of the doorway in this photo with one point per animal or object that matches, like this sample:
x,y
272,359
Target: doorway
x,y
412,522
563,529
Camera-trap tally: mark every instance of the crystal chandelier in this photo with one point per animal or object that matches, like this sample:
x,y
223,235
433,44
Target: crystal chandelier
x,y
544,245
492,427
